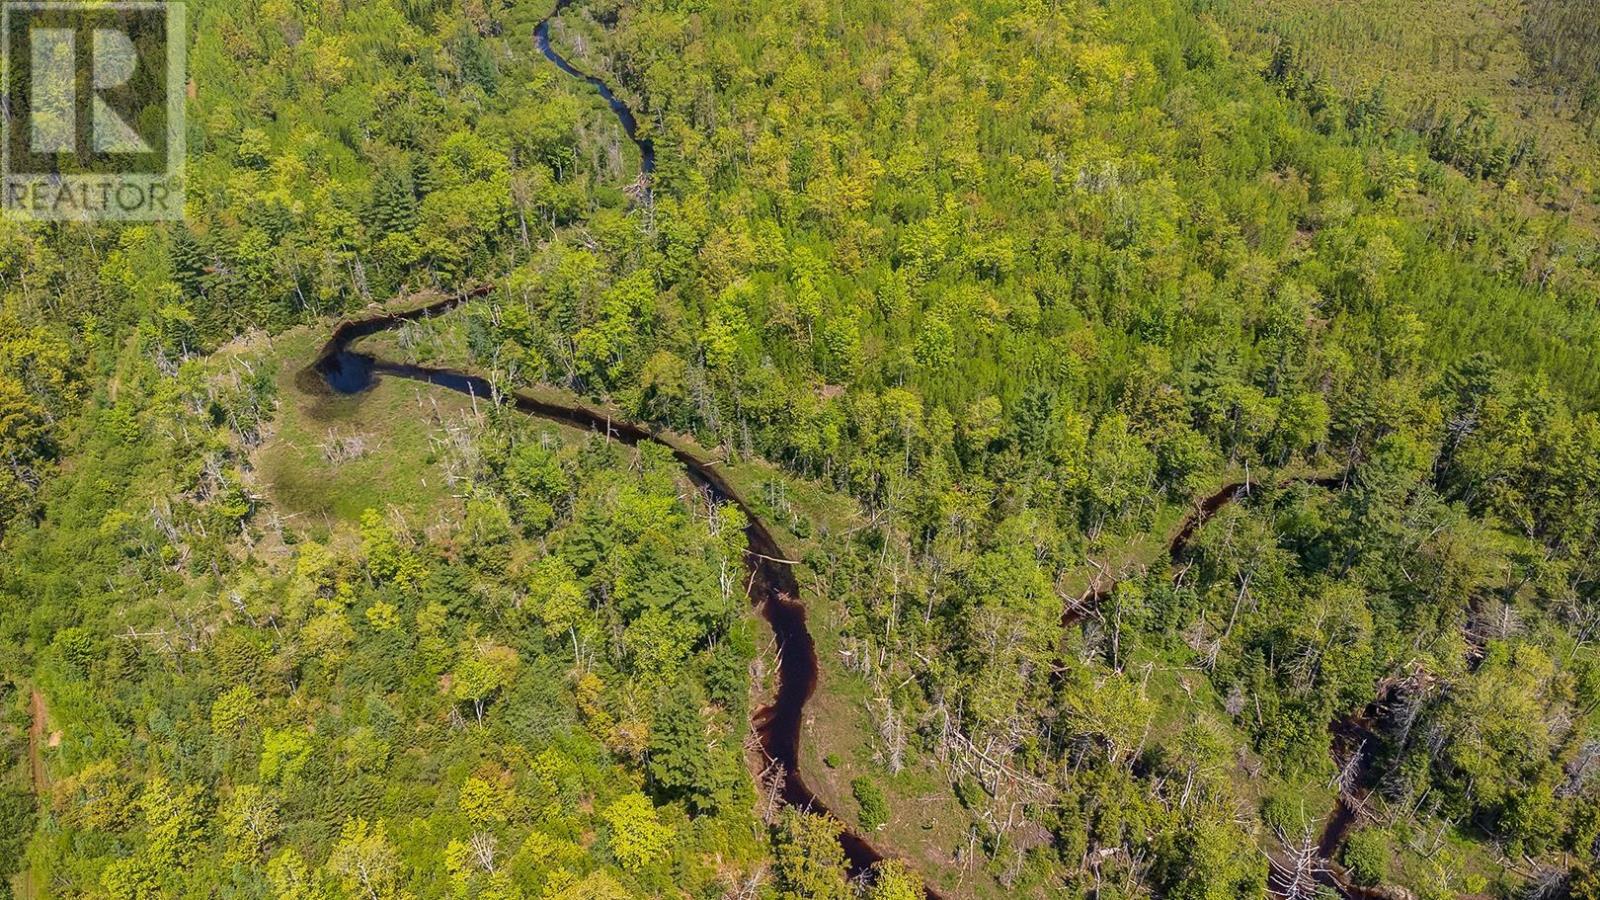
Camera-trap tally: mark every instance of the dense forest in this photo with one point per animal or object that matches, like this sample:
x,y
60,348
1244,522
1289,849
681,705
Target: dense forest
x,y
1189,457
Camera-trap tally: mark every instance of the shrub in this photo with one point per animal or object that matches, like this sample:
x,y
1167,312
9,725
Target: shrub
x,y
874,809
1366,854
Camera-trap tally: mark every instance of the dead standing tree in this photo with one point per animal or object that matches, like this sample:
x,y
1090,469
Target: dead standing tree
x,y
1296,871
958,751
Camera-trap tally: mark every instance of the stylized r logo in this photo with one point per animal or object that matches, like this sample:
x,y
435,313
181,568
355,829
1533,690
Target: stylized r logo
x,y
54,83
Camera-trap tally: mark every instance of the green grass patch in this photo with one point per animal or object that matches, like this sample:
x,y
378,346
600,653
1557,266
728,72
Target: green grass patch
x,y
329,458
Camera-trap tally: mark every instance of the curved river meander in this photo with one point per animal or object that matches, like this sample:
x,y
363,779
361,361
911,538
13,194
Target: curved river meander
x,y
1351,736
773,589
630,125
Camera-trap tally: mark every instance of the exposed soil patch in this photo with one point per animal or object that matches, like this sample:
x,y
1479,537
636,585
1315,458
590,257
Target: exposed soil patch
x,y
36,738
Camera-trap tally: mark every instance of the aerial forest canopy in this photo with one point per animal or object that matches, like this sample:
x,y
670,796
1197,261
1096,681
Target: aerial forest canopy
x,y
1180,418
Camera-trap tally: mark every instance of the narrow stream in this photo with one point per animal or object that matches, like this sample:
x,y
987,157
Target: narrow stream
x,y
1351,735
773,590
630,125
341,370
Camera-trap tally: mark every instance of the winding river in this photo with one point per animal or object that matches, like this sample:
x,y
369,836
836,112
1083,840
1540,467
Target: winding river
x,y
773,590
343,370
630,125
340,369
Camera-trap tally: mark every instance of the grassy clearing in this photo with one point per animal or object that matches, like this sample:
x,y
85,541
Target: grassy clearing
x,y
330,458
927,825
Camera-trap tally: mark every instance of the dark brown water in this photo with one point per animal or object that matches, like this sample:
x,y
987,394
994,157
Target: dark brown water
x,y
1353,735
1100,588
341,370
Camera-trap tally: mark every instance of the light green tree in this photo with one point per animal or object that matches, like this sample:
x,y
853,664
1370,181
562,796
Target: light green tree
x,y
893,880
483,669
365,862
638,838
249,822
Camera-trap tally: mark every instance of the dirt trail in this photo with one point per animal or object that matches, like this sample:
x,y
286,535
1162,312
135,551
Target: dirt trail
x,y
41,783
39,715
